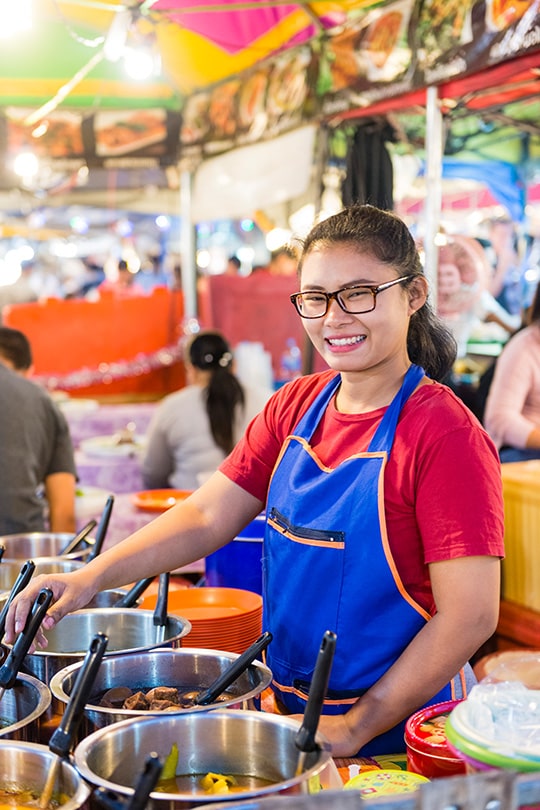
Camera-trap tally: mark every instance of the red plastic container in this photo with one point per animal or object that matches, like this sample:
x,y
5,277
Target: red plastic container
x,y
428,751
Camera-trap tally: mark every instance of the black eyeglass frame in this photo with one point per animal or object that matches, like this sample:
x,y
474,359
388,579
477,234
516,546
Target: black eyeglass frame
x,y
374,290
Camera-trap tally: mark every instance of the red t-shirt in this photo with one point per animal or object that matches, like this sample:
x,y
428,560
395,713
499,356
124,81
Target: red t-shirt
x,y
443,490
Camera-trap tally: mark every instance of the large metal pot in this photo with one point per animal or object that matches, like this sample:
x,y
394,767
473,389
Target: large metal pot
x,y
43,545
258,746
102,599
186,669
9,571
23,707
129,630
26,765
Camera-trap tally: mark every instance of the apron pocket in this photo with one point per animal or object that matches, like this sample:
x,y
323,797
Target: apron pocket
x,y
303,534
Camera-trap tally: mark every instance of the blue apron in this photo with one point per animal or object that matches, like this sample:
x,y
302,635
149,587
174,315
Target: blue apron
x,y
328,566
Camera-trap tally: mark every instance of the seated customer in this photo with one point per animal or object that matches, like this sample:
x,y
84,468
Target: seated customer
x,y
195,428
35,447
512,414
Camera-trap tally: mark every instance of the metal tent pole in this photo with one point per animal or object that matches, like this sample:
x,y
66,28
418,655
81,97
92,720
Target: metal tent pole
x,y
188,247
433,201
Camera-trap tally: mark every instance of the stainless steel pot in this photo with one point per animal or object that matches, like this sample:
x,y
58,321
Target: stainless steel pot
x,y
102,599
42,545
128,630
9,571
23,707
25,765
186,669
255,745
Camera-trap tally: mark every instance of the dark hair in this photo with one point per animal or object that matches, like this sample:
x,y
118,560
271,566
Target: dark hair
x,y
15,347
236,261
533,315
209,351
385,236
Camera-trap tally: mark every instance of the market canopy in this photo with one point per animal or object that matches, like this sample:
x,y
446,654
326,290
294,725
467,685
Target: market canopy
x,y
236,73
231,73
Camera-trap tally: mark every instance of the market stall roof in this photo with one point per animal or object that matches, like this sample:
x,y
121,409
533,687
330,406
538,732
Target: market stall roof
x,y
71,49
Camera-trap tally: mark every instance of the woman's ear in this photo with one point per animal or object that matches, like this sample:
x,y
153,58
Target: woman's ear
x,y
418,293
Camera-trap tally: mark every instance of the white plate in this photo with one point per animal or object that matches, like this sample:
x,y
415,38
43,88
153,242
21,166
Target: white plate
x,y
74,406
89,501
110,446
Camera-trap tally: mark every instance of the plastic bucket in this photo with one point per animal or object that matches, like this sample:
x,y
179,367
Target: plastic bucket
x,y
239,563
428,752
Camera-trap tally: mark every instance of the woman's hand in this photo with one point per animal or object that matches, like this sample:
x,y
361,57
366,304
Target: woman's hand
x,y
70,592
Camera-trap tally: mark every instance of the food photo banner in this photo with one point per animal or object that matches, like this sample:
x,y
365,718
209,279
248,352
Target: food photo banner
x,y
384,50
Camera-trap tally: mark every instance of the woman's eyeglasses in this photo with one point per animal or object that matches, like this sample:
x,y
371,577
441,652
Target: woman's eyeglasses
x,y
353,300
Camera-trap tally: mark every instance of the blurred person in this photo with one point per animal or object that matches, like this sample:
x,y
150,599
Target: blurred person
x,y
505,283
195,428
233,266
36,447
124,285
283,261
21,291
463,300
512,412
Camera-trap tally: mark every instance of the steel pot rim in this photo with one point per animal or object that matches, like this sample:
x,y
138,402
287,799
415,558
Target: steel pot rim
x,y
64,537
56,684
184,798
83,790
77,655
44,702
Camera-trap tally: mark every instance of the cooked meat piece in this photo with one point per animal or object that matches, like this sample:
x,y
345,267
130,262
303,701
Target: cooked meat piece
x,y
137,701
169,693
161,705
114,698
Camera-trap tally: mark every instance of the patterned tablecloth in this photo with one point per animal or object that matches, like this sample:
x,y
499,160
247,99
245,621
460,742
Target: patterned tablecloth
x,y
87,418
126,519
116,474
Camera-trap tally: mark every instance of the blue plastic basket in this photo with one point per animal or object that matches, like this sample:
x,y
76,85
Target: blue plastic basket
x,y
239,563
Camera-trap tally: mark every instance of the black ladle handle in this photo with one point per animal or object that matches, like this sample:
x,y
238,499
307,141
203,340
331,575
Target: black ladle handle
x,y
305,737
79,537
161,608
10,669
62,738
23,578
101,530
129,599
146,782
231,673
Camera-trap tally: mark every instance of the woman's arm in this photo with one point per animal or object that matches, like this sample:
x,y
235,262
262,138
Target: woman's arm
x,y
209,518
467,594
60,495
511,385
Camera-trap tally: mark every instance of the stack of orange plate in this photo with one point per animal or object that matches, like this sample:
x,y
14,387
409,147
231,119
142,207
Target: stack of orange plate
x,y
227,619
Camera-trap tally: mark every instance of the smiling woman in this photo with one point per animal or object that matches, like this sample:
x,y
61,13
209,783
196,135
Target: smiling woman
x,y
351,464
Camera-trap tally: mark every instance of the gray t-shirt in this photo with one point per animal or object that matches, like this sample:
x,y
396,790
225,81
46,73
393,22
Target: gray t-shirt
x,y
34,443
181,451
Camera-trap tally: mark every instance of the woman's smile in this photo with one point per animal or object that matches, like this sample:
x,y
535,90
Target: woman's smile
x,y
344,344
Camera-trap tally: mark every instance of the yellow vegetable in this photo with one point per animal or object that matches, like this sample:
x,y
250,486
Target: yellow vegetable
x,y
217,783
169,766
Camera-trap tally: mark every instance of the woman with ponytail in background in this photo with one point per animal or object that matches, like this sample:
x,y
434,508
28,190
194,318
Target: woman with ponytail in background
x,y
195,428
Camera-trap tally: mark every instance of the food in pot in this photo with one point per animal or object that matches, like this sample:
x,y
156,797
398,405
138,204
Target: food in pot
x,y
13,798
156,698
211,783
